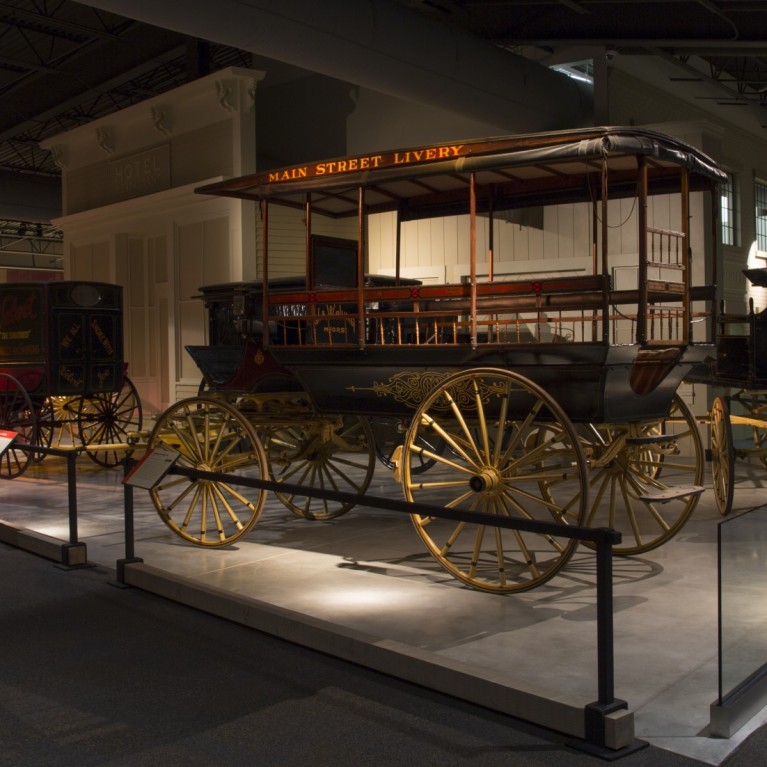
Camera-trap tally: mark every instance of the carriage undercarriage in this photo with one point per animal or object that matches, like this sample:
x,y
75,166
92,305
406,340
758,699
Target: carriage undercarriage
x,y
486,439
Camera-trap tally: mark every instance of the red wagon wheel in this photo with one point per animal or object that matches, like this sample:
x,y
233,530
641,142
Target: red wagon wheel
x,y
17,414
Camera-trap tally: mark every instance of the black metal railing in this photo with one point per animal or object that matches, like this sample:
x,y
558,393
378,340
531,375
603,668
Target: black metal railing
x,y
73,553
603,539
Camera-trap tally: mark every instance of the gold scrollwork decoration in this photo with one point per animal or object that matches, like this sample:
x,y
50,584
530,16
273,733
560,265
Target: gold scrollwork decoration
x,y
411,387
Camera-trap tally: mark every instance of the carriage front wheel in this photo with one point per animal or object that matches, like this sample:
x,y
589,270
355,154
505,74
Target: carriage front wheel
x,y
212,436
17,414
507,445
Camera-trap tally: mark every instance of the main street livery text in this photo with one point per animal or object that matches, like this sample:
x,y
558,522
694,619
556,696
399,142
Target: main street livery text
x,y
368,162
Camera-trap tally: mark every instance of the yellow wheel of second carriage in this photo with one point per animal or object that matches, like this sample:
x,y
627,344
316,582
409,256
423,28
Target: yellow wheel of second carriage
x,y
211,436
722,455
509,450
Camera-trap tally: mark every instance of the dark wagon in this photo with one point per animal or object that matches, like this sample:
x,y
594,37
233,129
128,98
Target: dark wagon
x,y
62,373
506,388
738,375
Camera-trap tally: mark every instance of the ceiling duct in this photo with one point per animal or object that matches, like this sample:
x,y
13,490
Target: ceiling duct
x,y
383,46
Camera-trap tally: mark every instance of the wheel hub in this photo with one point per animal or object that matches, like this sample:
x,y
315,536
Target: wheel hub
x,y
487,481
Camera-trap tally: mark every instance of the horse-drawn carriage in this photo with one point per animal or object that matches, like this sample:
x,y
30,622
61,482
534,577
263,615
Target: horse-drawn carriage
x,y
537,379
738,373
62,374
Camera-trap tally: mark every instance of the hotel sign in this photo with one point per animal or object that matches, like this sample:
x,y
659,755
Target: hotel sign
x,y
141,173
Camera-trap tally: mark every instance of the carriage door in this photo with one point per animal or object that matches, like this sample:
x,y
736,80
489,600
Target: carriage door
x,y
142,267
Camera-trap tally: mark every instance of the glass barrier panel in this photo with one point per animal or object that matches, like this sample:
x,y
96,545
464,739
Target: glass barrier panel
x,y
742,598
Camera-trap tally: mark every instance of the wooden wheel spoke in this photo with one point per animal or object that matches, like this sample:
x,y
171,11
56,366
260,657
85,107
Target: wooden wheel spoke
x,y
523,430
630,513
191,508
450,440
475,554
441,460
604,479
220,487
333,472
464,427
483,432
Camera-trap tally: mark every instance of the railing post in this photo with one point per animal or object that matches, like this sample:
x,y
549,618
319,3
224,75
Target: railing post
x,y
130,556
74,553
595,714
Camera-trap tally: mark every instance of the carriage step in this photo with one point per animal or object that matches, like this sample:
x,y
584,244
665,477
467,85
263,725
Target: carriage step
x,y
672,494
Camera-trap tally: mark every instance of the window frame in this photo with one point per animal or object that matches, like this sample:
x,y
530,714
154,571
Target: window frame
x,y
729,211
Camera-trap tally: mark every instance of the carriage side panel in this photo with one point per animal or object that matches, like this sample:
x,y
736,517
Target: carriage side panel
x,y
22,333
85,341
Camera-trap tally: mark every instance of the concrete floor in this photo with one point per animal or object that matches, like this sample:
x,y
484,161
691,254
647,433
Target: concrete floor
x,y
362,586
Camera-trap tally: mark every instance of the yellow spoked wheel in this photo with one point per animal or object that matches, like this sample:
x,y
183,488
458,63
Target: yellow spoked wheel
x,y
722,455
335,454
509,450
646,477
209,435
58,421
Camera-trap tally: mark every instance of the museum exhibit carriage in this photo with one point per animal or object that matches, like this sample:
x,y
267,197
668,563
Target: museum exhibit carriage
x,y
62,374
537,378
737,377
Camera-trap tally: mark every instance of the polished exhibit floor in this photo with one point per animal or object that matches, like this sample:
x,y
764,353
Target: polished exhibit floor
x,y
363,587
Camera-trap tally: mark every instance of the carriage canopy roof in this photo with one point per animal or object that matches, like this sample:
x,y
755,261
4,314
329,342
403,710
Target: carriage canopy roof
x,y
510,172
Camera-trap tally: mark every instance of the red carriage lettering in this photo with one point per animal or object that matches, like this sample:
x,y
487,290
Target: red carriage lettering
x,y
14,311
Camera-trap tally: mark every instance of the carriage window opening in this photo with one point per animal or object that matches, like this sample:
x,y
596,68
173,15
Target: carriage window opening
x,y
729,211
760,199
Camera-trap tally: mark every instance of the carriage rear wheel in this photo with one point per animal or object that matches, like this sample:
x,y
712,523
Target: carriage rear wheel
x,y
758,406
106,419
646,477
209,435
334,454
722,455
17,414
507,445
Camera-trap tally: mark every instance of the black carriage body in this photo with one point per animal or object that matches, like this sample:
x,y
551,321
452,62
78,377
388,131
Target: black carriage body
x,y
379,347
741,347
591,381
63,337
